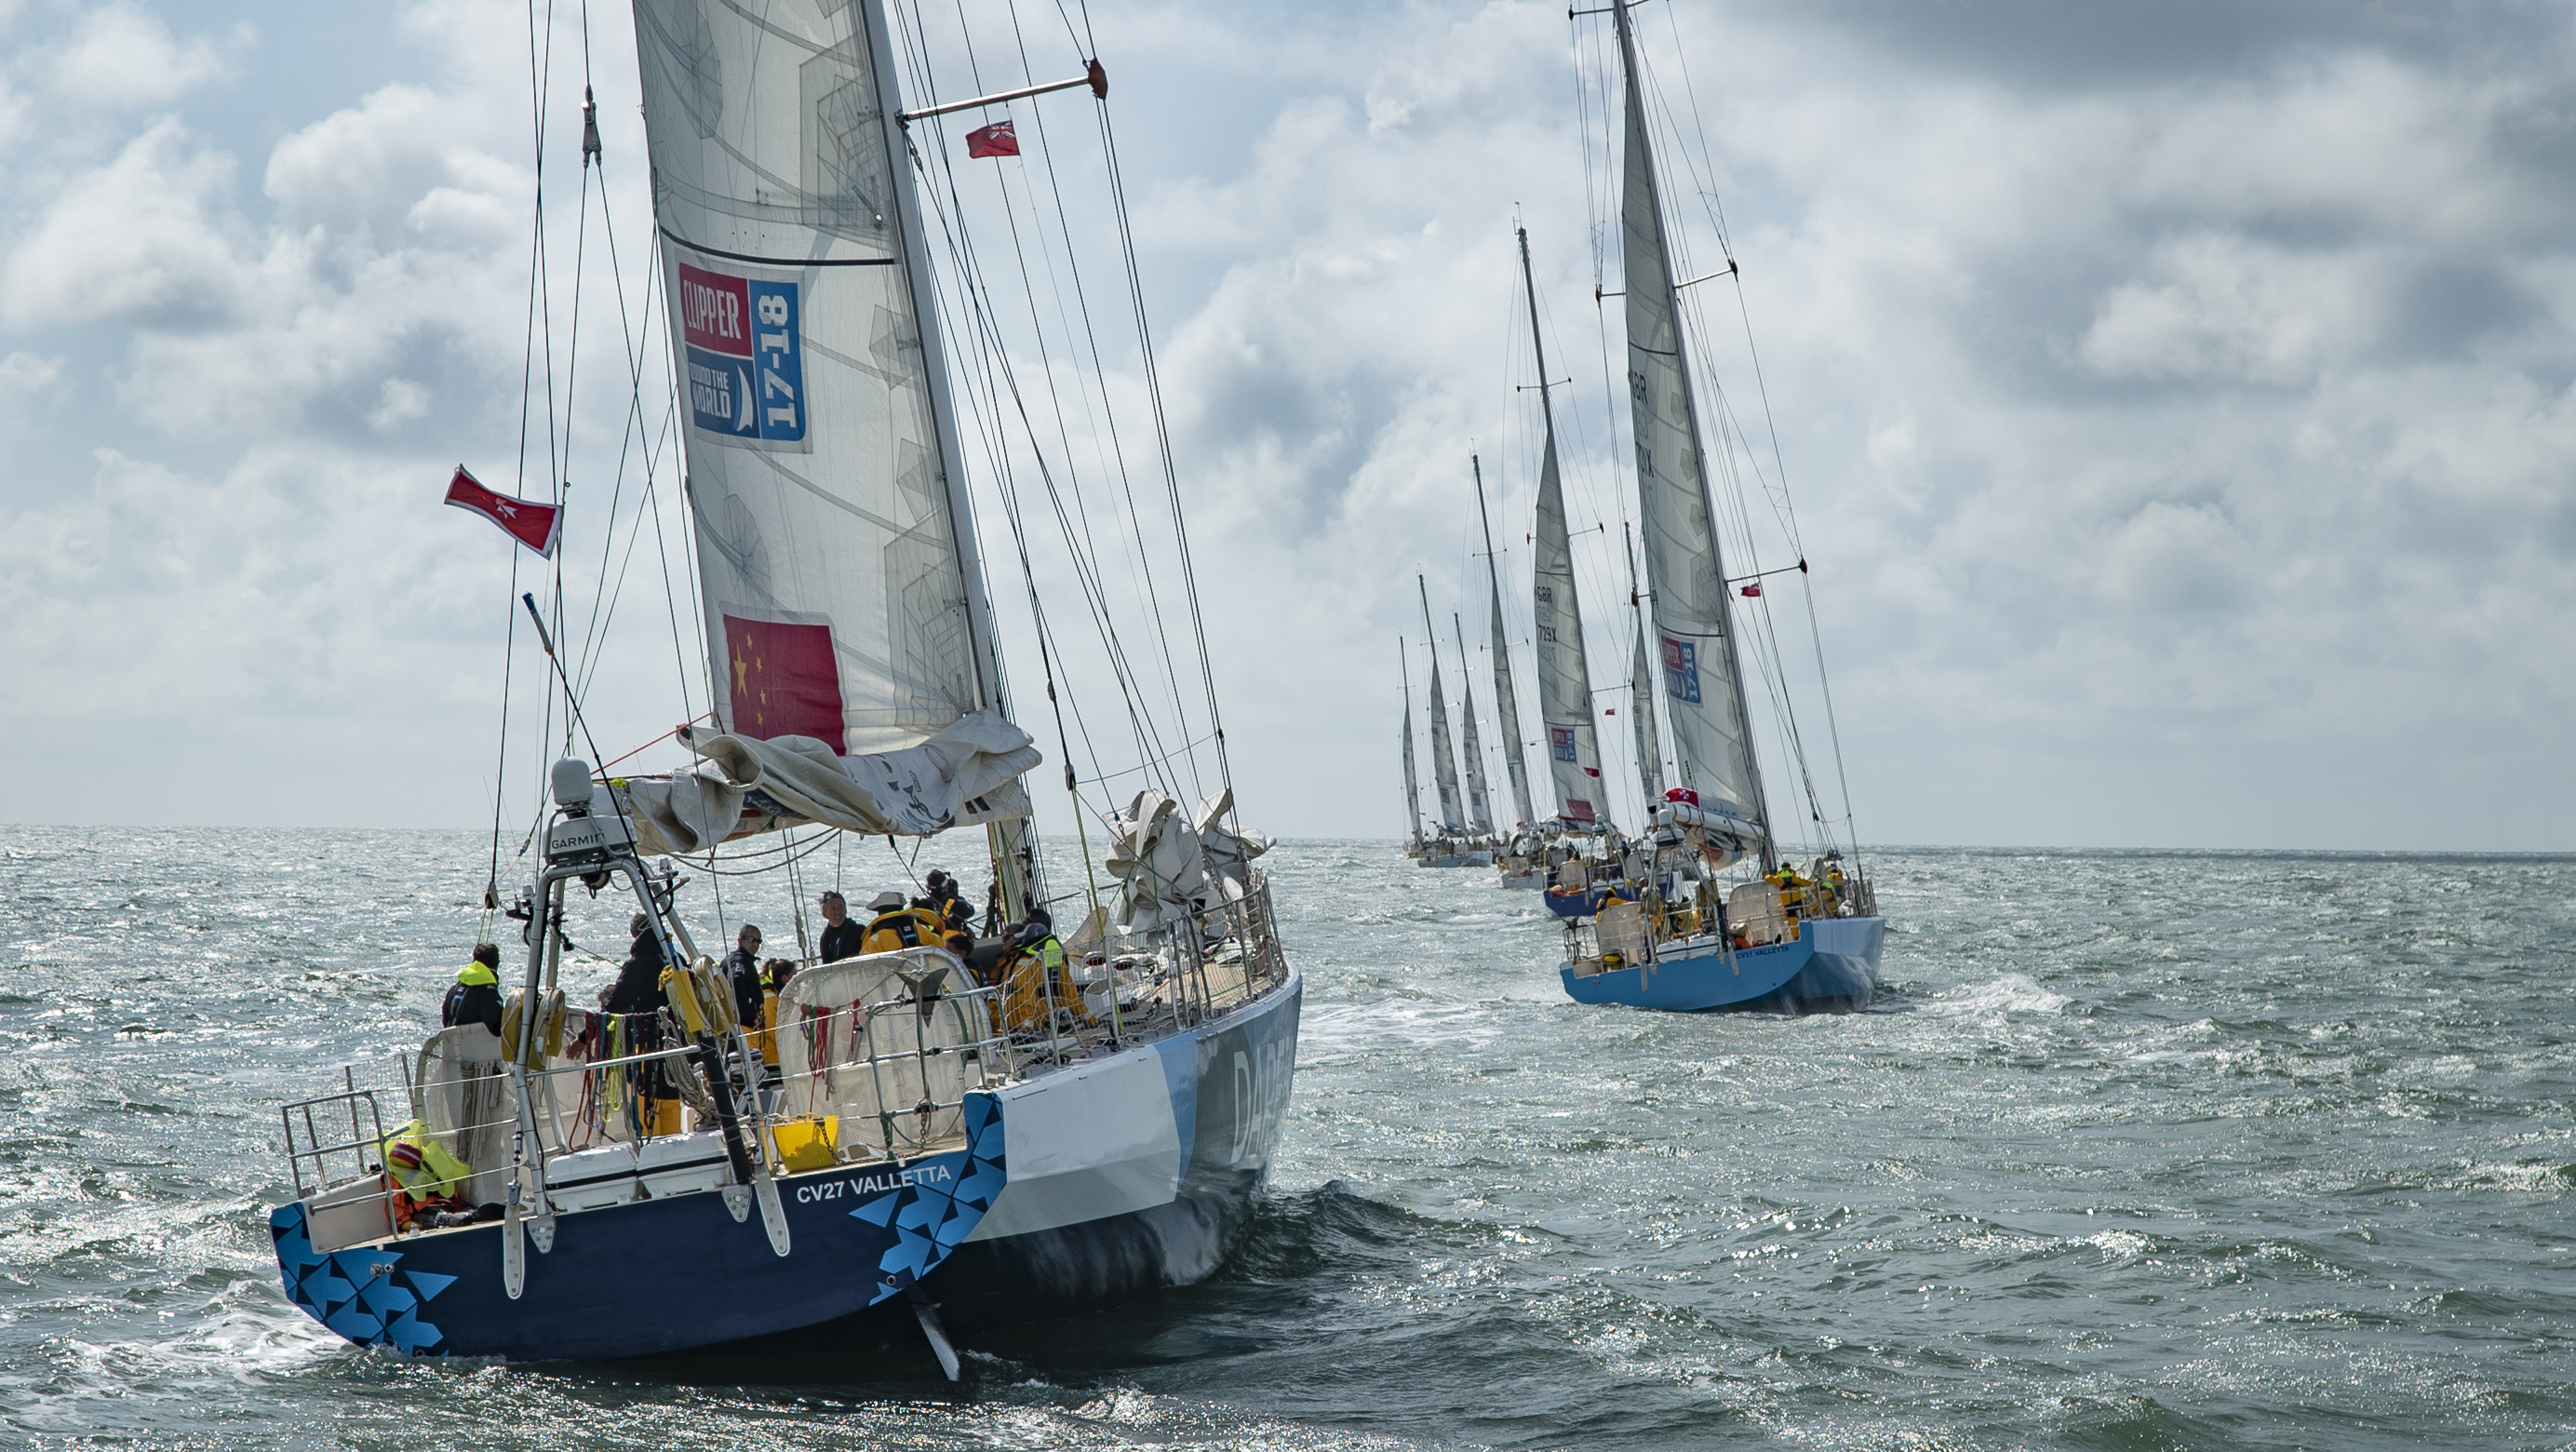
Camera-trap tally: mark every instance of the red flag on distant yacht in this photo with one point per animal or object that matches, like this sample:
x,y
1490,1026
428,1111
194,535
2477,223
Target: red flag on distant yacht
x,y
533,525
1752,591
997,139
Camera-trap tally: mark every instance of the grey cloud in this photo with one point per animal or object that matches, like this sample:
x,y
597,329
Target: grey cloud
x,y
2040,45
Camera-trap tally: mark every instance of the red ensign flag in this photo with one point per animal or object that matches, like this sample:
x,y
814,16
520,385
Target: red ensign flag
x,y
997,139
533,525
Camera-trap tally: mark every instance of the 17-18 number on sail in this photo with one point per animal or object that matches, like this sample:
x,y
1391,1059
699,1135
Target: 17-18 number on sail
x,y
746,356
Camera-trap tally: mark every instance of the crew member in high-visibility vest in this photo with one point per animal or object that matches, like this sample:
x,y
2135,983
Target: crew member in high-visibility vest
x,y
426,1178
1036,980
475,997
897,925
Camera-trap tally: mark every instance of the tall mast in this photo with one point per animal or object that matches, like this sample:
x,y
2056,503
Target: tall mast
x,y
1444,766
1507,708
1703,673
1564,675
1011,841
1641,689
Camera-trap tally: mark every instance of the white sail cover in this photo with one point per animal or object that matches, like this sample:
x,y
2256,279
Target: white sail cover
x,y
835,589
1480,815
1507,701
1155,854
1444,766
1229,850
967,773
1641,708
1564,677
1703,682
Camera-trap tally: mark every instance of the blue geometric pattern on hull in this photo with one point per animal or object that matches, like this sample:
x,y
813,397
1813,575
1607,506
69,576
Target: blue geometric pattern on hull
x,y
615,1282
1832,965
365,1295
930,1215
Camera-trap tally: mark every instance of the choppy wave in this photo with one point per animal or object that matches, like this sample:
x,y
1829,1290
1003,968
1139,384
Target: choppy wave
x,y
2169,1149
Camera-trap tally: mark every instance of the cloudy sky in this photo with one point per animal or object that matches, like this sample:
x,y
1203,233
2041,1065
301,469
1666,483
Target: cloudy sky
x,y
2175,399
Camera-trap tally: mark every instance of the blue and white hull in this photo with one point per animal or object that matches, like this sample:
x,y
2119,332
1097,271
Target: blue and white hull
x,y
1075,1188
1831,966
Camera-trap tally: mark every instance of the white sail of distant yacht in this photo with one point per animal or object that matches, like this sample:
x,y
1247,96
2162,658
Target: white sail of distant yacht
x,y
1444,766
1703,676
1507,701
1480,812
1412,785
1564,676
1641,698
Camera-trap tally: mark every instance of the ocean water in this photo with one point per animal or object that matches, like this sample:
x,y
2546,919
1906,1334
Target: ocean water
x,y
2137,1150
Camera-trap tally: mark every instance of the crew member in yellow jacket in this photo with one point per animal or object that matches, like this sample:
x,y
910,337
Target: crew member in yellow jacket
x,y
1036,981
896,926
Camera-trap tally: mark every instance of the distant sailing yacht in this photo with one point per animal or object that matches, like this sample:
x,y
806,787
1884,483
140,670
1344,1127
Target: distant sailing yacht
x,y
1784,940
1460,842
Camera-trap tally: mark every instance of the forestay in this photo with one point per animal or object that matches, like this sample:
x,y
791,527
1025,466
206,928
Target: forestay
x,y
839,605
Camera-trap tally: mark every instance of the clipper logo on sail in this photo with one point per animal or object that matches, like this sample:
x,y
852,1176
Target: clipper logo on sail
x,y
746,347
1681,669
1560,741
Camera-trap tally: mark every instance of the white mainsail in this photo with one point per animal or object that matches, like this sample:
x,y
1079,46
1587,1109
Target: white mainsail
x,y
1702,678
1507,701
1641,696
1480,815
1564,677
1444,767
842,599
1412,787
1641,709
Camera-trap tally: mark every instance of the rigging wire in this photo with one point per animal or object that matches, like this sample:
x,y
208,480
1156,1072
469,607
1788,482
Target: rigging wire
x,y
999,375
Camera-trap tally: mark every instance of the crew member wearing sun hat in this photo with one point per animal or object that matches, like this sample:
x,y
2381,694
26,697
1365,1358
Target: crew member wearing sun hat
x,y
897,926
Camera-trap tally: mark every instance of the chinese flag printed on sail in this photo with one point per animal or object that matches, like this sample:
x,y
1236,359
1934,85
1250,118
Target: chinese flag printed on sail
x,y
785,681
533,525
997,139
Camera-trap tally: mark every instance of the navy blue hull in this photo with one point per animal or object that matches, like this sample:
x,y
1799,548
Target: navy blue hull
x,y
656,1275
1831,967
678,1273
1574,904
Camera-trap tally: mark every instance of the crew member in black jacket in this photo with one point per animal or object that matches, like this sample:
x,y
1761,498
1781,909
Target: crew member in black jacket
x,y
475,997
636,997
841,934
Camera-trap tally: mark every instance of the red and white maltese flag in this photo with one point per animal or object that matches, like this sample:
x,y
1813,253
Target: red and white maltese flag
x,y
533,525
